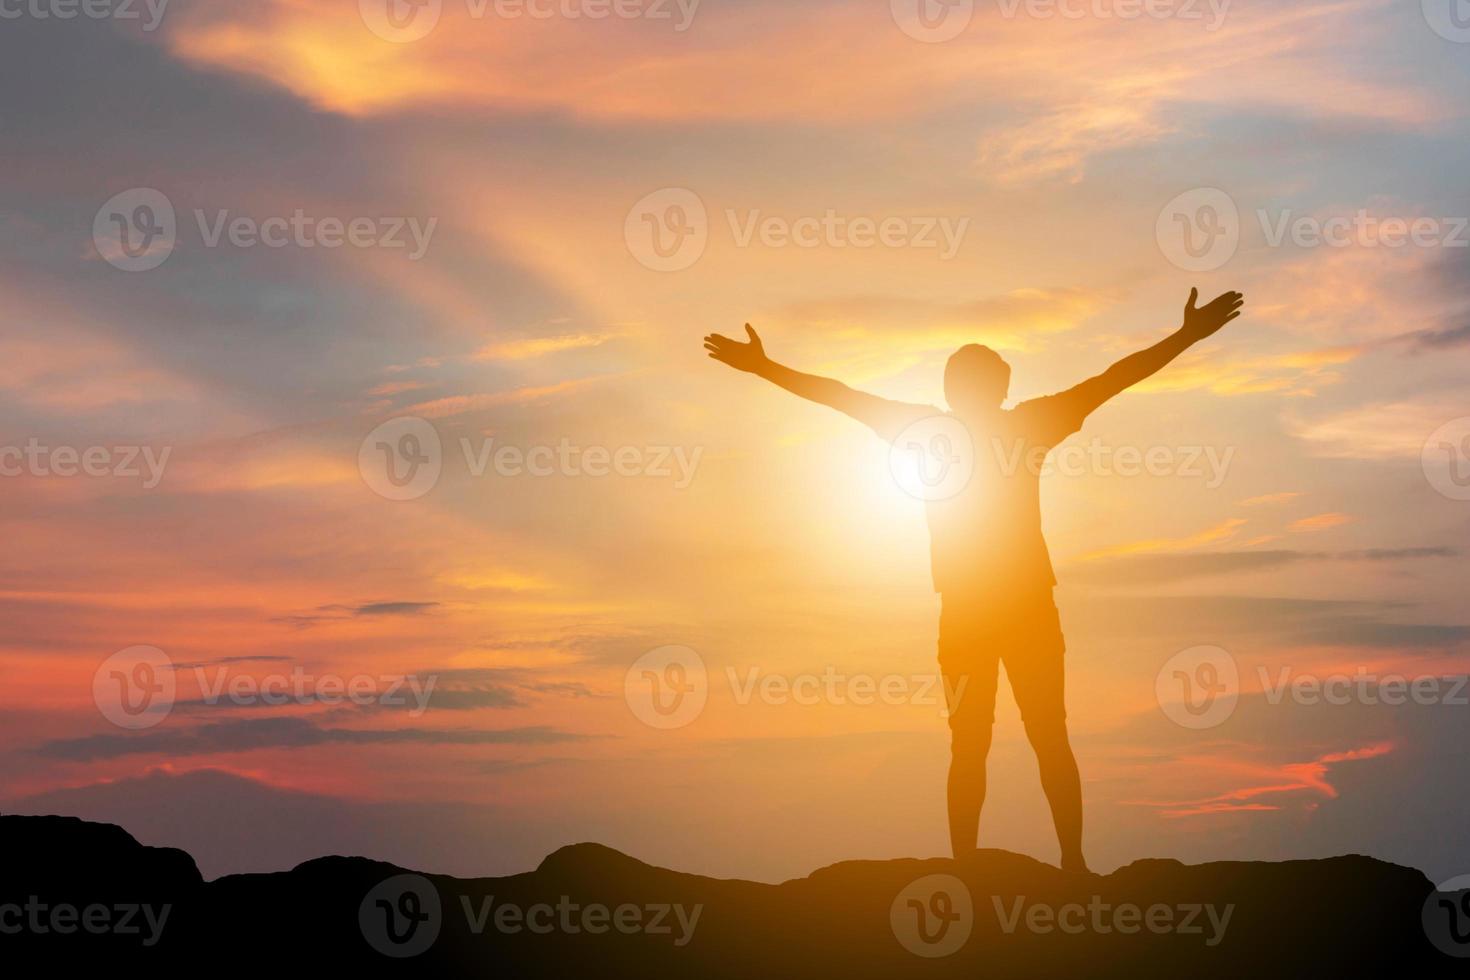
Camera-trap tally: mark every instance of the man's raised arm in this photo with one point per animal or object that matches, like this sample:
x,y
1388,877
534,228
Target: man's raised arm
x,y
1199,323
887,418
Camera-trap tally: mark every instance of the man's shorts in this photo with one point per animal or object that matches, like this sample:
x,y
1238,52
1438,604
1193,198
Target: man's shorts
x,y
976,636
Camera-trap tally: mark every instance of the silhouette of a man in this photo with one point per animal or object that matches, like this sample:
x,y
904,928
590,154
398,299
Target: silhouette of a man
x,y
989,559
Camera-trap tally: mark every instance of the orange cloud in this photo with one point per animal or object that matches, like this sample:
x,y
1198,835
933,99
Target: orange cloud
x,y
517,350
1271,498
1290,779
460,404
1225,529
1392,430
1320,522
1295,372
1121,85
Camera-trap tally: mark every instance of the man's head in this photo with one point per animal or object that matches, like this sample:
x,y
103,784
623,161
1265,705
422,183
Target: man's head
x,y
976,379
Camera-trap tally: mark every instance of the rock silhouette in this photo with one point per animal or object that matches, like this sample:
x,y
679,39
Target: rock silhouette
x,y
588,909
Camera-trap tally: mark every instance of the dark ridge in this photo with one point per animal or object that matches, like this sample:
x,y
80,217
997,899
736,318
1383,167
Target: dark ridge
x,y
601,913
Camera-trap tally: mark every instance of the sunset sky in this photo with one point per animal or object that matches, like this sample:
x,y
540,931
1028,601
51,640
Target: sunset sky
x,y
774,538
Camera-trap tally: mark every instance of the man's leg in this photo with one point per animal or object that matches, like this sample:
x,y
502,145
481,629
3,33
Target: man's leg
x,y
966,788
1037,678
1062,785
970,677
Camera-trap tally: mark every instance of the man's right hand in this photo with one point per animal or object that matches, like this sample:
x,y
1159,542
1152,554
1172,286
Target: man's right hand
x,y
749,356
1201,322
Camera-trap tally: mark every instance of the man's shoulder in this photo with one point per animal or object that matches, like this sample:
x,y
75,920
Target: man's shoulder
x,y
893,418
1046,410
